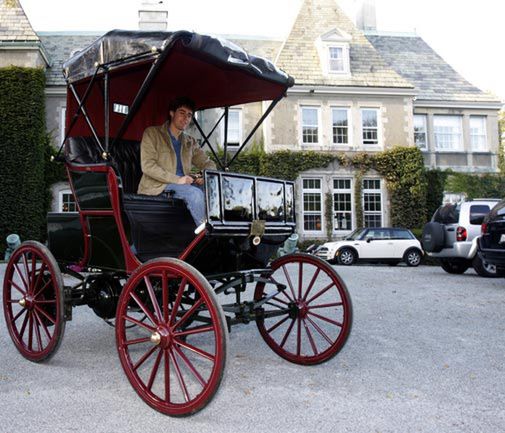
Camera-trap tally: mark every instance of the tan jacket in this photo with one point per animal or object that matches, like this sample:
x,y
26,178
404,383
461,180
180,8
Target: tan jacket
x,y
158,160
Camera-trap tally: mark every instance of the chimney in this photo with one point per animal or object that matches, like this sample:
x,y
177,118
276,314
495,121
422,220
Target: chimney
x,y
153,15
366,18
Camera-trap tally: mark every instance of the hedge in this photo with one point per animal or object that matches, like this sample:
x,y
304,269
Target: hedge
x,y
22,153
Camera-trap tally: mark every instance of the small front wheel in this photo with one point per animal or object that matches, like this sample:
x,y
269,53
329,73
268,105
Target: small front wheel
x,y
33,301
412,257
175,358
306,314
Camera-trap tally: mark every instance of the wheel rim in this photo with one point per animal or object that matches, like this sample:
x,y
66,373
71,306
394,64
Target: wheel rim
x,y
33,301
347,257
176,368
488,267
413,258
309,321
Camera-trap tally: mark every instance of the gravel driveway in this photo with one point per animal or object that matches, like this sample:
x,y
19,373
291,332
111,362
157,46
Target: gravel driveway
x,y
426,354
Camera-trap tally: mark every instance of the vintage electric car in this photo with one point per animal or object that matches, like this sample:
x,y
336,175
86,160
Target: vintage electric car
x,y
137,261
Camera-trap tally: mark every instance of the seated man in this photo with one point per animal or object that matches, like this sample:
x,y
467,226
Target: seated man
x,y
167,155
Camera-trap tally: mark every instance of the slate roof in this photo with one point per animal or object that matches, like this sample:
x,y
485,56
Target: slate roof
x,y
14,25
433,77
299,56
60,46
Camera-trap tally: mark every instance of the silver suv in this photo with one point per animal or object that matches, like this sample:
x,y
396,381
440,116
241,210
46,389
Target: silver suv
x,y
451,236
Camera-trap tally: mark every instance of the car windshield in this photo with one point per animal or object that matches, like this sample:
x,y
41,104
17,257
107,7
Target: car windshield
x,y
354,235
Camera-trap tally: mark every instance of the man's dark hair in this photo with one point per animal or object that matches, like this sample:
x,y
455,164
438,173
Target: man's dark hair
x,y
182,101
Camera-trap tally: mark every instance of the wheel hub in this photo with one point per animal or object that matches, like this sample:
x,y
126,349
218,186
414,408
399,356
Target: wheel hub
x,y
26,302
162,337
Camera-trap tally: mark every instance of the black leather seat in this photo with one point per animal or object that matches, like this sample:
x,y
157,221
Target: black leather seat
x,y
160,225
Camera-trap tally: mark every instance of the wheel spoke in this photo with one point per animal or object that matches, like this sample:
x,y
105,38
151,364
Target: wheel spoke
x,y
286,335
19,289
195,330
334,304
321,292
42,289
153,298
282,292
137,341
16,267
18,316
32,275
30,331
144,308
144,358
311,340
23,326
180,378
279,323
316,274
190,366
188,313
167,377
196,350
46,301
37,332
298,336
289,281
318,329
300,279
138,323
326,319
177,302
279,307
28,283
164,295
280,300
42,324
156,366
47,316
39,277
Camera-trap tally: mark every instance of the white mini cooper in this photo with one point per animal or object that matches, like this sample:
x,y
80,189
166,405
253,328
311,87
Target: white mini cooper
x,y
378,244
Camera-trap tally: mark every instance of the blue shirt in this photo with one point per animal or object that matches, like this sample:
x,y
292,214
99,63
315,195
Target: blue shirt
x,y
177,147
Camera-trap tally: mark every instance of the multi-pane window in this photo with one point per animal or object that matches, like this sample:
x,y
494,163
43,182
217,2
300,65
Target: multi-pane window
x,y
67,202
310,125
372,203
342,204
312,205
234,126
336,57
478,134
448,132
420,131
370,126
340,125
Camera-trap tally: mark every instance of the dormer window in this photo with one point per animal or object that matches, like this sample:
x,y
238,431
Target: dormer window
x,y
333,48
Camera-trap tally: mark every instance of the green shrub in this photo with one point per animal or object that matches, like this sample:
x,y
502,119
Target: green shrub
x,y
22,153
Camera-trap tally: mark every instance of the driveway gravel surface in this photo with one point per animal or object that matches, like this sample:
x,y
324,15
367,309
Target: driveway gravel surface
x,y
426,354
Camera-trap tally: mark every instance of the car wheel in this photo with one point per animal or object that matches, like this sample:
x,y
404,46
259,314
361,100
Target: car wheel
x,y
484,269
347,257
412,257
454,266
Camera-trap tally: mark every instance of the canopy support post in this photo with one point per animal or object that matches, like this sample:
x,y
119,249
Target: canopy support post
x,y
265,114
225,156
106,110
206,139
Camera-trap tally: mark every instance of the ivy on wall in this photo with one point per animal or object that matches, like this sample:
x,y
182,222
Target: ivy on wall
x,y
401,167
22,153
477,186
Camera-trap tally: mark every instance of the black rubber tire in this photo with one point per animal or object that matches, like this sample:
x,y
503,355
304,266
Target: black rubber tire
x,y
455,266
485,269
347,257
433,237
412,257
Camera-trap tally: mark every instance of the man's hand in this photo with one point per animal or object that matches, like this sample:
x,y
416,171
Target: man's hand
x,y
199,181
185,180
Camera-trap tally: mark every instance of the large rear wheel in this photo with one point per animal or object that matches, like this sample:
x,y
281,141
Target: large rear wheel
x,y
175,358
307,317
33,301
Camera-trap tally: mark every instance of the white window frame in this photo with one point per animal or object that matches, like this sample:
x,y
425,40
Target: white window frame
x,y
424,130
483,146
345,58
63,111
378,127
438,134
314,107
240,129
60,201
321,198
349,126
349,191
335,38
373,191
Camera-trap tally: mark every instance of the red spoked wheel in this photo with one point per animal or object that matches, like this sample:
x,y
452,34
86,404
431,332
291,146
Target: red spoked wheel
x,y
307,315
33,301
175,358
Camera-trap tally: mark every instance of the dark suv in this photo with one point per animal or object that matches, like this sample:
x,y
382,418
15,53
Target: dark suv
x,y
491,244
